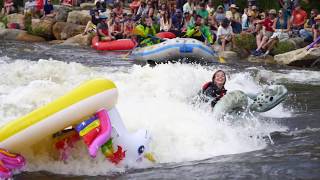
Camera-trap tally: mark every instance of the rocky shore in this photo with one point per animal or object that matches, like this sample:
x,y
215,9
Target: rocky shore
x,y
69,23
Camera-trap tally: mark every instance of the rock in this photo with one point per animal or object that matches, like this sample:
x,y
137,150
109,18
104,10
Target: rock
x,y
87,6
82,40
79,17
24,36
62,13
10,34
283,47
56,42
298,42
15,18
229,55
43,27
262,59
63,30
299,57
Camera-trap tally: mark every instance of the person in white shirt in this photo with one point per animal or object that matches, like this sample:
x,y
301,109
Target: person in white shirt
x,y
188,7
225,34
29,6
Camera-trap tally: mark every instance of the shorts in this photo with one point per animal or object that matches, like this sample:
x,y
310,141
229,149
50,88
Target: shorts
x,y
280,35
267,34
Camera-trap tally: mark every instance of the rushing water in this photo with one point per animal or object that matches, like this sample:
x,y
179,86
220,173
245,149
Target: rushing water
x,y
189,143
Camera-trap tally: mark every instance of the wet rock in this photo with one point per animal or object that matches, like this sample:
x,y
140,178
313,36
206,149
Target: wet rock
x,y
64,30
43,27
299,57
62,13
87,6
229,55
10,34
15,18
79,17
82,40
262,59
24,36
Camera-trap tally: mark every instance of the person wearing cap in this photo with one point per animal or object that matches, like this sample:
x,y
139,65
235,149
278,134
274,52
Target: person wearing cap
x,y
298,19
219,15
266,32
225,34
306,33
316,28
235,18
102,29
92,25
200,31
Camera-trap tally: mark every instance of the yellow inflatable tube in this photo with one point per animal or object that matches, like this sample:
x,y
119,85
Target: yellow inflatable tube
x,y
65,111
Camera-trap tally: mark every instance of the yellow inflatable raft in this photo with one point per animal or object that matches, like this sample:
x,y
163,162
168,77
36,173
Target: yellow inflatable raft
x,y
65,111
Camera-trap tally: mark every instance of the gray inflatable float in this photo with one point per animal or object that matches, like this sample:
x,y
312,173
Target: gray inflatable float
x,y
238,100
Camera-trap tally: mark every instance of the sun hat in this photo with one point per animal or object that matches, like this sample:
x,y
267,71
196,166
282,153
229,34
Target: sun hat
x,y
220,6
234,6
272,11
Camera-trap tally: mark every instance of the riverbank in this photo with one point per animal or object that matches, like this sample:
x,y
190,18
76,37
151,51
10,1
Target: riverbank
x,y
67,26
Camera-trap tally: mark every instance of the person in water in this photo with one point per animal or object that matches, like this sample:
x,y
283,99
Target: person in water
x,y
215,90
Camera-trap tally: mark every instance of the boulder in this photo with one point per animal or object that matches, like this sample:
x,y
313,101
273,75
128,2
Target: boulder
x,y
43,27
262,59
299,57
64,30
10,34
229,55
62,13
15,18
87,6
82,40
24,36
79,17
283,47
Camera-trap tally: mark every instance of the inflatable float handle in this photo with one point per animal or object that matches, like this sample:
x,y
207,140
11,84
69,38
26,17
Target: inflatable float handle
x,y
104,134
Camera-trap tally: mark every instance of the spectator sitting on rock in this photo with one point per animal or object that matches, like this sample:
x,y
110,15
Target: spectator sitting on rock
x,y
48,9
281,27
29,7
118,10
8,7
298,19
91,25
306,33
203,11
219,15
128,27
210,8
134,6
249,25
266,32
188,7
235,19
316,28
225,34
177,23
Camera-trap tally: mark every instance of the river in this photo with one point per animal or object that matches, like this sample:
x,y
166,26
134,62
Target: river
x,y
188,142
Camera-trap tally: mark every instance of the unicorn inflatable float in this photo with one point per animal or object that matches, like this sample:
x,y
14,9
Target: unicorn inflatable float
x,y
88,113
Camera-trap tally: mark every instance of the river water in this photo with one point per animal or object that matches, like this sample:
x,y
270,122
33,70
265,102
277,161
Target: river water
x,y
188,142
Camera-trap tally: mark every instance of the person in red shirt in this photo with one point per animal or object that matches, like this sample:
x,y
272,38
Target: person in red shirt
x,y
298,19
266,32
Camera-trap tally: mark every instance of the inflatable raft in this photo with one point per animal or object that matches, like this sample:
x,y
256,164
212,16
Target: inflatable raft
x,y
116,45
175,49
90,108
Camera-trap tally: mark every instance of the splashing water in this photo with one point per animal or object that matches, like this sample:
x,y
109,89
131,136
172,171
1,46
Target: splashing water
x,y
159,99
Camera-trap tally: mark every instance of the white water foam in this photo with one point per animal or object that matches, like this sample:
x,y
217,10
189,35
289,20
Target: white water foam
x,y
159,99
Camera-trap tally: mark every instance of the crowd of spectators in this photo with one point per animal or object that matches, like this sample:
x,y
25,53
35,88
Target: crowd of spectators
x,y
199,19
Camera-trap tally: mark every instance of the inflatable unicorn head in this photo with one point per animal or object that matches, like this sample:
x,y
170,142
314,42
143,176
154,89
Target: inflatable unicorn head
x,y
129,147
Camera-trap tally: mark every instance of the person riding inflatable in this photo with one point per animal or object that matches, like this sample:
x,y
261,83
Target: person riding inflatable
x,y
215,90
200,31
146,32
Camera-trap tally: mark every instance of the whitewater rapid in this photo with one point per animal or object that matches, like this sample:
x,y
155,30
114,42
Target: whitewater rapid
x,y
160,99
